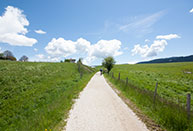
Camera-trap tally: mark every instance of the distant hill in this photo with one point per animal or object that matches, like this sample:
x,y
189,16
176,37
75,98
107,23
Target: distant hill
x,y
170,60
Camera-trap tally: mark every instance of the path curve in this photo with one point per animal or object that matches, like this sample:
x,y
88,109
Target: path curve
x,y
99,108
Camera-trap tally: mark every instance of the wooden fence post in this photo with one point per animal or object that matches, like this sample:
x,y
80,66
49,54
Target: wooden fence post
x,y
155,93
112,75
119,76
188,105
126,81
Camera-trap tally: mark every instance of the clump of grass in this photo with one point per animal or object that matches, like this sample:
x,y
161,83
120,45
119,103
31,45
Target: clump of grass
x,y
38,96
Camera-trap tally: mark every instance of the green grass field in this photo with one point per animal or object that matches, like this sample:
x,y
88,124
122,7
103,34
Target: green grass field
x,y
38,96
175,80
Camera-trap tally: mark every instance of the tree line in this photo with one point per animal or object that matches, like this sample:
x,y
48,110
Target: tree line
x,y
8,55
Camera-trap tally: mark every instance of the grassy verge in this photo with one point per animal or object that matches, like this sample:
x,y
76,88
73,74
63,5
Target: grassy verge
x,y
38,96
168,114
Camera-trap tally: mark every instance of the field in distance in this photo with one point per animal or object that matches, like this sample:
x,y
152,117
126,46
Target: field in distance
x,y
175,80
38,96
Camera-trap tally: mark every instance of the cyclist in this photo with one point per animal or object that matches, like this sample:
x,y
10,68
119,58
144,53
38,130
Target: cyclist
x,y
101,71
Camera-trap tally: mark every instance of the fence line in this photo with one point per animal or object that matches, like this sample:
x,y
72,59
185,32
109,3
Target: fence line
x,y
156,96
119,76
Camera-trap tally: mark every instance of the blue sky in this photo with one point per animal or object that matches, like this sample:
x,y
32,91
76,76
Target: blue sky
x,y
131,31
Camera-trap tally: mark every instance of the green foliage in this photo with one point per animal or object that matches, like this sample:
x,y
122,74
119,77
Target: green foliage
x,y
1,55
174,82
108,63
37,96
66,60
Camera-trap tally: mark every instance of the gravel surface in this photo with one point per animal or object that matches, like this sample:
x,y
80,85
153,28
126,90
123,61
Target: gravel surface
x,y
99,108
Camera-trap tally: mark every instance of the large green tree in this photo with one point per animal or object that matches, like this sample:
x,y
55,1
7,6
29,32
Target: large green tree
x,y
108,63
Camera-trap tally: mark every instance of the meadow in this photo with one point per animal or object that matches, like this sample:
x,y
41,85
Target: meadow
x,y
175,80
38,96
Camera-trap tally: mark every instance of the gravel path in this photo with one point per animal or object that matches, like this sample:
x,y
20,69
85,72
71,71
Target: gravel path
x,y
99,108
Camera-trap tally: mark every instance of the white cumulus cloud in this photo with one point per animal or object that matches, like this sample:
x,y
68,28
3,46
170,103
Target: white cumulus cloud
x,y
12,28
82,45
88,60
191,11
40,32
168,37
17,39
102,49
146,51
60,47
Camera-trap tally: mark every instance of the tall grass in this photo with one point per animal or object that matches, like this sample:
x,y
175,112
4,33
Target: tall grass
x,y
165,112
38,96
173,78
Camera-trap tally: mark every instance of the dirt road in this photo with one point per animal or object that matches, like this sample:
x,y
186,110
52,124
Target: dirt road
x,y
99,108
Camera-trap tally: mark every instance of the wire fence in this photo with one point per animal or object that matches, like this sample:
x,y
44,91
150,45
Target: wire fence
x,y
154,96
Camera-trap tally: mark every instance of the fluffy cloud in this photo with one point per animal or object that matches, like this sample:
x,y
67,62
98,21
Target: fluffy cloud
x,y
13,30
146,51
191,11
157,46
168,37
82,45
17,40
58,48
104,48
40,32
0,50
88,60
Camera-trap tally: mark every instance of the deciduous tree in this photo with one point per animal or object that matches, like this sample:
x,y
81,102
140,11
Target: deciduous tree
x,y
108,63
